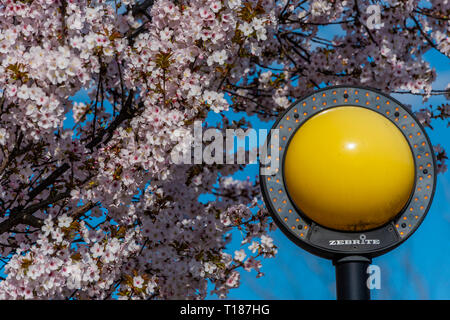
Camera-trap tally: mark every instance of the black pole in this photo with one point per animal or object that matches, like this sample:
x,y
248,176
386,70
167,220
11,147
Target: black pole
x,y
351,278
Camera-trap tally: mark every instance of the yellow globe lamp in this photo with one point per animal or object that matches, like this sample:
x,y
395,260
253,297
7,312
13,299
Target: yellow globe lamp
x,y
356,172
355,177
349,168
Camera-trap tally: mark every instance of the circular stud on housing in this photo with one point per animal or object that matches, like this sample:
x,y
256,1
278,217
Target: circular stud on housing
x,y
357,173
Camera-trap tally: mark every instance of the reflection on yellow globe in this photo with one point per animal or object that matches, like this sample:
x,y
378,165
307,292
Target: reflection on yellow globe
x,y
349,168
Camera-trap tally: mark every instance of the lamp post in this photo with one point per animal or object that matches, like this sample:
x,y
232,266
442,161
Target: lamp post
x,y
356,178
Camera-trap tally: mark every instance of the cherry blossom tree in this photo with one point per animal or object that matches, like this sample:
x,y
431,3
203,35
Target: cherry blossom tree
x,y
98,210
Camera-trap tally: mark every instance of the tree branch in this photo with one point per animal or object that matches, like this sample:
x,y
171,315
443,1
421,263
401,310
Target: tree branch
x,y
18,214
